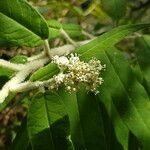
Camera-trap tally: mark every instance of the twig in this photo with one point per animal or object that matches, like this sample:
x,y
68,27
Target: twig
x,y
9,65
35,57
67,49
29,85
15,84
47,48
63,32
88,34
62,50
21,76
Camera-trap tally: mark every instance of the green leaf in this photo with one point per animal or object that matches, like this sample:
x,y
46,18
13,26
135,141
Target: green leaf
x,y
116,132
129,97
116,9
45,72
87,129
5,72
73,30
21,24
120,86
6,102
86,118
71,105
54,27
115,91
108,39
19,59
137,72
48,123
143,55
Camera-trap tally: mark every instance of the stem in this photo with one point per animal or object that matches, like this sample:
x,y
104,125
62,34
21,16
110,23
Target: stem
x,y
4,93
15,84
67,49
116,23
62,50
47,48
39,56
21,76
63,32
12,66
26,86
88,34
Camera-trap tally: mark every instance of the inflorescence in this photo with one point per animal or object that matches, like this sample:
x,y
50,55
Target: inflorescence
x,y
73,71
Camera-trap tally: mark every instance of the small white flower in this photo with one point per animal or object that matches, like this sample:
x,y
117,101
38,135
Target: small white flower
x,y
59,78
73,58
73,72
63,61
68,88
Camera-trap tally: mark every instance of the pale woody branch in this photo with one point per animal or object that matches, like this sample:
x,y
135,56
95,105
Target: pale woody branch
x,y
39,56
21,76
88,34
62,50
67,49
9,65
17,84
29,85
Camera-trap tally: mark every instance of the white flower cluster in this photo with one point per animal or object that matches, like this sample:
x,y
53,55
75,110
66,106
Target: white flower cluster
x,y
73,71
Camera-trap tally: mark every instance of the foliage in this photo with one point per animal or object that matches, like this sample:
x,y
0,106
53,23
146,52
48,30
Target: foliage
x,y
116,116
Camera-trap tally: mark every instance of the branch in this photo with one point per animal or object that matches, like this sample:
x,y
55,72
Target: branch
x,y
15,84
9,65
88,34
62,50
29,85
67,49
47,48
21,76
63,32
35,57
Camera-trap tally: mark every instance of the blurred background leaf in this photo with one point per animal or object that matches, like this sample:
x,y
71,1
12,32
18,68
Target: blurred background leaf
x,y
116,9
